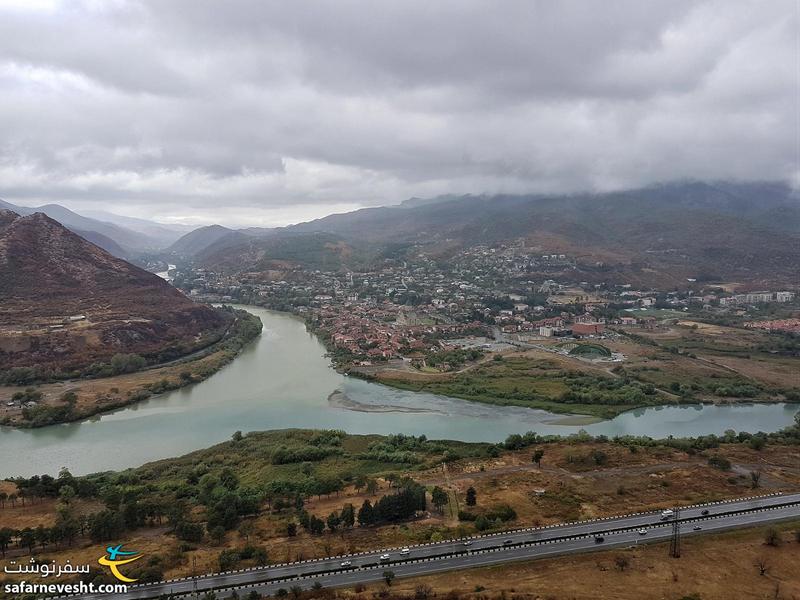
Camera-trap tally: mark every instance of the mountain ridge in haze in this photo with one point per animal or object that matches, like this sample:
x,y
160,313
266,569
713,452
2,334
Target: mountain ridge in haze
x,y
657,236
118,240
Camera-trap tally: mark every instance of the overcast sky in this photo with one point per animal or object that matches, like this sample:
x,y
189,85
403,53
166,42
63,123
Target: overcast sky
x,y
257,112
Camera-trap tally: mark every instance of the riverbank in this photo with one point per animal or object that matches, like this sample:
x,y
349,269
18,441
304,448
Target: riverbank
x,y
283,379
74,400
650,376
514,380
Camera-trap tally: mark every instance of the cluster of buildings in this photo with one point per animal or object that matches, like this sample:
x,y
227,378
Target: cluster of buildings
x,y
756,298
782,325
413,307
369,331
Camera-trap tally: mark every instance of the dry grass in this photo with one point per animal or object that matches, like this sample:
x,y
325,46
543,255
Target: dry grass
x,y
718,567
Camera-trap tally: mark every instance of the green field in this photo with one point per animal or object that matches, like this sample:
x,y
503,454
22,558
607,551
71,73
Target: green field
x,y
539,384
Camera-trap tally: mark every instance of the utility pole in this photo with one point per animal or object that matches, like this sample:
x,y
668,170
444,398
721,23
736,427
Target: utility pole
x,y
675,542
194,578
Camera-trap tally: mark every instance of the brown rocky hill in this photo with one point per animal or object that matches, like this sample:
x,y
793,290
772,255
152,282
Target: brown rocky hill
x,y
66,303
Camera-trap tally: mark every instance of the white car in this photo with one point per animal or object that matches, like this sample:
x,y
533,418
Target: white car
x,y
346,563
697,528
405,552
468,543
385,557
643,531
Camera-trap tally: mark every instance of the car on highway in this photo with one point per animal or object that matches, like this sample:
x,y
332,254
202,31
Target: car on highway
x,y
599,539
385,557
405,552
346,563
508,542
643,531
666,514
697,528
705,512
468,543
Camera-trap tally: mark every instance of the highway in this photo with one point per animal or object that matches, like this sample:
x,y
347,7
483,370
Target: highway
x,y
492,549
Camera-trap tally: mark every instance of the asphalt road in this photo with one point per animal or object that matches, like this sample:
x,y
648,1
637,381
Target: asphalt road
x,y
523,544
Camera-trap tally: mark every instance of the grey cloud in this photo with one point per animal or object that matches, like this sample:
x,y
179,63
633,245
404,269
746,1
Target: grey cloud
x,y
184,107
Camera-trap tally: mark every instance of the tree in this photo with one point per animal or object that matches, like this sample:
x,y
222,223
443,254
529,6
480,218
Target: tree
x,y
27,539
472,497
246,529
537,457
366,514
388,577
6,535
237,435
260,556
348,515
439,498
333,521
228,479
42,534
372,486
600,458
755,479
315,525
360,482
291,529
228,559
217,534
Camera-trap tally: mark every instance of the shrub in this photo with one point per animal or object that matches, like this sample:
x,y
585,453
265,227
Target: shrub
x,y
719,462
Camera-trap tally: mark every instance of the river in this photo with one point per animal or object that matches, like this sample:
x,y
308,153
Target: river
x,y
284,380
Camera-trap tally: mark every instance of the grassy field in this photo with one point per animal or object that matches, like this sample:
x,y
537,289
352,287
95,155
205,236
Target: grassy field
x,y
539,383
686,363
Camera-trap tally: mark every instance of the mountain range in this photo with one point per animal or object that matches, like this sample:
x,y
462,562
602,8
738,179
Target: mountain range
x,y
124,237
657,236
66,303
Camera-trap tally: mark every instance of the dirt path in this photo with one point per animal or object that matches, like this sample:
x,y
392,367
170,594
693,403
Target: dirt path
x,y
712,363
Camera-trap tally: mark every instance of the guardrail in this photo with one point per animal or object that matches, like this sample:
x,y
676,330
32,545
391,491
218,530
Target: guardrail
x,y
606,531
495,549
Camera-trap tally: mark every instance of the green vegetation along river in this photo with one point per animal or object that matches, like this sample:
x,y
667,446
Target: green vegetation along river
x,y
284,380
